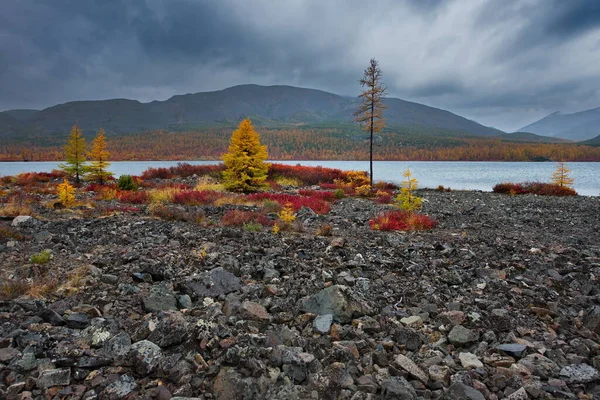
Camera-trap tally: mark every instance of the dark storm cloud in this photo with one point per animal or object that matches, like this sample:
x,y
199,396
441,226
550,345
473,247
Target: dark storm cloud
x,y
501,62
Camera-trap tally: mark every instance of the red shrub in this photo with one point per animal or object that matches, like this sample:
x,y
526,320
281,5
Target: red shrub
x,y
307,175
508,188
196,197
539,188
328,196
381,185
96,187
294,201
128,196
183,170
399,220
237,217
27,178
173,185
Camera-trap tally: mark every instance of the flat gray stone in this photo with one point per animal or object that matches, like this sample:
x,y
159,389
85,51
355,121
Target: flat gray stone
x,y
513,349
322,323
579,373
461,336
54,377
413,369
213,283
459,390
159,298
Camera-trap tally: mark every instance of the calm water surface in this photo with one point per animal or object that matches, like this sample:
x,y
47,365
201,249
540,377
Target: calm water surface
x,y
430,174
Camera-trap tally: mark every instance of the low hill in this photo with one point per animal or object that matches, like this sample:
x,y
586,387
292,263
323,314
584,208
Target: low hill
x,y
530,138
592,142
268,106
577,126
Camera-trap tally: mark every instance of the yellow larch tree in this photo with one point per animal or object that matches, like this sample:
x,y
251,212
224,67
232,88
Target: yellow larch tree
x,y
74,165
245,163
98,157
561,177
406,199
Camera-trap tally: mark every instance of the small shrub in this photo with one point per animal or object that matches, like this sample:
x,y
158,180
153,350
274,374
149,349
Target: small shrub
x,y
386,186
339,193
139,197
237,217
42,257
270,206
106,193
162,195
357,179
252,227
399,220
383,197
9,233
66,194
167,213
364,191
406,199
195,197
305,175
126,182
11,289
325,230
538,188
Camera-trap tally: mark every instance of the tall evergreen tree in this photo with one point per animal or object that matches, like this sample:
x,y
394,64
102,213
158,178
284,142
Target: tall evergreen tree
x,y
246,169
370,111
98,157
75,149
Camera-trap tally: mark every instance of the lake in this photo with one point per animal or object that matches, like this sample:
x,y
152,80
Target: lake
x,y
430,174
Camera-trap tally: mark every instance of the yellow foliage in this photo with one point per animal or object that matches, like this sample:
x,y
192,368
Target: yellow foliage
x,y
99,159
66,194
285,181
561,177
162,195
246,169
363,191
107,193
75,155
357,178
287,215
406,199
208,183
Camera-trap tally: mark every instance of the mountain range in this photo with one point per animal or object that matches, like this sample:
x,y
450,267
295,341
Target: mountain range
x,y
577,126
271,106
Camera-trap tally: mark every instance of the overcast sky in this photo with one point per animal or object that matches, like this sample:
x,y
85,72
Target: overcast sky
x,y
503,63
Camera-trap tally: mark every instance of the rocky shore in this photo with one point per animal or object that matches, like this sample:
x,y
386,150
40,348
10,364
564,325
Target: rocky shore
x,y
501,300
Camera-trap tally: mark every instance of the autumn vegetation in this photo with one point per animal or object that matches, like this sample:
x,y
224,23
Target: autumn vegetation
x,y
312,143
560,185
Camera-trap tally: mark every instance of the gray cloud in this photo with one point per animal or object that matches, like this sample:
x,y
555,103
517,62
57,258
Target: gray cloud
x,y
501,63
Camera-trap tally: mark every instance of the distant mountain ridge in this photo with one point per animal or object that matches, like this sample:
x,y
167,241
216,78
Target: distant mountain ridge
x,y
577,126
276,106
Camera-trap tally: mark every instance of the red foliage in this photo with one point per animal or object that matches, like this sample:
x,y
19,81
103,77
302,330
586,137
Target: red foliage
x,y
27,178
294,201
183,170
196,197
383,197
128,196
381,185
96,187
328,196
173,185
237,217
307,175
399,220
539,188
